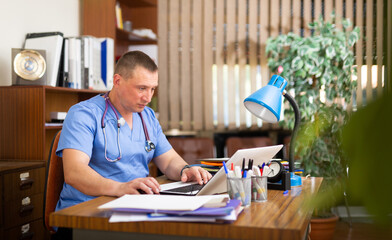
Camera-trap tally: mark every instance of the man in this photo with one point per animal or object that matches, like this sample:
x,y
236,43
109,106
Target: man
x,y
112,160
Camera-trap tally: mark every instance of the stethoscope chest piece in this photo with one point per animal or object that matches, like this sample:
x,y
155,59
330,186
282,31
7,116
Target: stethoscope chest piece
x,y
149,146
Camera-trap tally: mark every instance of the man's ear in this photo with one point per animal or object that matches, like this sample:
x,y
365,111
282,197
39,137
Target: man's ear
x,y
116,79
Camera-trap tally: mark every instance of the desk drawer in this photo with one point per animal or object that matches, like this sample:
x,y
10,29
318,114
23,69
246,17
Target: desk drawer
x,y
23,210
24,183
33,230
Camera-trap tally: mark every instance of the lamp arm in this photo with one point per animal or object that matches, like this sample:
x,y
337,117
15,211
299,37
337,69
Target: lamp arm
x,y
297,121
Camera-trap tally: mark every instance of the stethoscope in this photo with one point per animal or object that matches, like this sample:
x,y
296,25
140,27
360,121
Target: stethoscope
x,y
120,121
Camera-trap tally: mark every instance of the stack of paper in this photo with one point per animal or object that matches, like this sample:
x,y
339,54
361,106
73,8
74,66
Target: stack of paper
x,y
209,208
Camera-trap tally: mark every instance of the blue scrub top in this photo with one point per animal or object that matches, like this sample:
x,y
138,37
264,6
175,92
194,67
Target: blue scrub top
x,y
82,131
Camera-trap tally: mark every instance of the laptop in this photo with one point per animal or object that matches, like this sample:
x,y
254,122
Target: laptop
x,y
217,183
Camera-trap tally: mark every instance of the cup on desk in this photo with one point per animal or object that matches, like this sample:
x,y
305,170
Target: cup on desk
x,y
259,188
240,188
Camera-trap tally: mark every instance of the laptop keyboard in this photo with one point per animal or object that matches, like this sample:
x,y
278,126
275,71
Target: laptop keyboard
x,y
188,188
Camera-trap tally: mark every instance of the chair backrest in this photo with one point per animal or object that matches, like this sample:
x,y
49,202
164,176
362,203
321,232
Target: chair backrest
x,y
193,148
235,143
54,182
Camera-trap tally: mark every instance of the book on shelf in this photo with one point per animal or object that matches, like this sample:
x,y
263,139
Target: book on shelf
x,y
87,62
119,20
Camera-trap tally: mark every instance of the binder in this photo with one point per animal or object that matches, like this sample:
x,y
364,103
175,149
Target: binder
x,y
74,55
62,80
85,62
52,43
96,81
107,62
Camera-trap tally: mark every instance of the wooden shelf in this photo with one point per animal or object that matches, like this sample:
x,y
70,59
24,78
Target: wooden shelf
x,y
139,3
99,21
133,38
28,109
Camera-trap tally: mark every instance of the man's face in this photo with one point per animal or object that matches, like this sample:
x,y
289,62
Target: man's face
x,y
137,91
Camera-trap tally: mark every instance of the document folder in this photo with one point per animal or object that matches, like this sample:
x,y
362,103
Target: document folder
x,y
52,43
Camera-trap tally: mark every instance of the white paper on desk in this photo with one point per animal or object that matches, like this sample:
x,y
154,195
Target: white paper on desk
x,y
158,202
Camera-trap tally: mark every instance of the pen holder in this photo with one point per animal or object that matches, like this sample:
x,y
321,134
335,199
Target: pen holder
x,y
259,188
239,188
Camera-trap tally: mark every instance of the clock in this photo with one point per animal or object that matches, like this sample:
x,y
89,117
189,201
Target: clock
x,y
275,171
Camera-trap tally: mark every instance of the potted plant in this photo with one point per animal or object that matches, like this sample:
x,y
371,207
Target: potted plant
x,y
319,70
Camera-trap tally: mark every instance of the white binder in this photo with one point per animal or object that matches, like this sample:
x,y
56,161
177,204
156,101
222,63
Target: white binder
x,y
52,43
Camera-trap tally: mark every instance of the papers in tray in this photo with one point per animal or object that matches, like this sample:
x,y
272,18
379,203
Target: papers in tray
x,y
208,208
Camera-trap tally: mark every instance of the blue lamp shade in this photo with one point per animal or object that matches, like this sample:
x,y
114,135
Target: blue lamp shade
x,y
266,103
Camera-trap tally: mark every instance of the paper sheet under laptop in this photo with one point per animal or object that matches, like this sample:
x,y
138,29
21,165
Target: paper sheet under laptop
x,y
218,183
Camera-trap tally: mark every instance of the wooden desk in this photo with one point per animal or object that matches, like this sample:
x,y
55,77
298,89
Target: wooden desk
x,y
281,217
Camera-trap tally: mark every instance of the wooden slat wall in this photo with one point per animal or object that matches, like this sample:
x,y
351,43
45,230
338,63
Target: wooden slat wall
x,y
296,17
174,65
254,7
379,38
230,61
163,64
242,58
197,68
268,25
208,18
230,37
220,61
369,48
359,53
185,64
307,18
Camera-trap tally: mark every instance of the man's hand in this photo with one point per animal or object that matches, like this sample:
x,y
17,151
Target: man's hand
x,y
148,185
197,174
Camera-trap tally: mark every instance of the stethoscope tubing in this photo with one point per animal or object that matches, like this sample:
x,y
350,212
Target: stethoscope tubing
x,y
149,144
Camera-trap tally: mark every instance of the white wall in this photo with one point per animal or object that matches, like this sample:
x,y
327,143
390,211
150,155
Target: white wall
x,y
19,17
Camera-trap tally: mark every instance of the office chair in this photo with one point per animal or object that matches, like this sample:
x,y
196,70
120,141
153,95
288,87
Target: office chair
x,y
235,143
193,148
54,182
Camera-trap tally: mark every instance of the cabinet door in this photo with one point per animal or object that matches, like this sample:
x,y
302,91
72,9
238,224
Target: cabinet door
x,y
32,231
24,183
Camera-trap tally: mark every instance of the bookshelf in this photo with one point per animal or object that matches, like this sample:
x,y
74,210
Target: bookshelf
x,y
26,110
99,20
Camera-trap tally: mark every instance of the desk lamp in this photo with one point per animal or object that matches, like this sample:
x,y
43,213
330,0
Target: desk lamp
x,y
266,103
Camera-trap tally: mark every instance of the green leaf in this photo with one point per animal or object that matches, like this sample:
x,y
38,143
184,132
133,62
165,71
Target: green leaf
x,y
346,23
330,52
297,63
353,38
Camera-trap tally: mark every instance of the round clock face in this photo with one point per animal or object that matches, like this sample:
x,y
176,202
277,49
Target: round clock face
x,y
275,171
29,65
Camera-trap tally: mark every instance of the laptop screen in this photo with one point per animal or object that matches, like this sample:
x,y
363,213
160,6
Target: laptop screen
x,y
218,184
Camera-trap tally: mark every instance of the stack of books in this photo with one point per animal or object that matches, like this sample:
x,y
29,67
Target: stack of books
x,y
209,208
212,165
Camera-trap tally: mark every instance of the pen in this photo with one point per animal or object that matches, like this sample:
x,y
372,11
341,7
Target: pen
x,y
250,164
286,192
243,166
224,166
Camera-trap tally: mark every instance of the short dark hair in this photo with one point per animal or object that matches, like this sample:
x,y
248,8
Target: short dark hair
x,y
130,60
